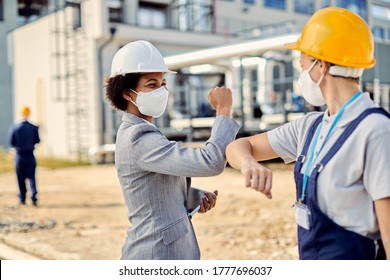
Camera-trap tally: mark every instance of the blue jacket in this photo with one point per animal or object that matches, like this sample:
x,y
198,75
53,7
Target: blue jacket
x,y
23,137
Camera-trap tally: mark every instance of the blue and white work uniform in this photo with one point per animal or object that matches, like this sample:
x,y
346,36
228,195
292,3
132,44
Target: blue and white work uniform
x,y
23,137
339,195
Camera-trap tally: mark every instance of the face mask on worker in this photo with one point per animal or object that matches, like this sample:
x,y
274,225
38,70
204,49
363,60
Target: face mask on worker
x,y
152,103
311,90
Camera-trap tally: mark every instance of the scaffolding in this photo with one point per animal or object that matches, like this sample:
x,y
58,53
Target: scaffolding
x,y
70,84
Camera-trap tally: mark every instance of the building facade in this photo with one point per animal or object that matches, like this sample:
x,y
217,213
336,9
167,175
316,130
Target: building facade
x,y
59,54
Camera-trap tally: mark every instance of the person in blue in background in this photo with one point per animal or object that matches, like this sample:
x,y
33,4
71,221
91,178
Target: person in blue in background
x,y
23,137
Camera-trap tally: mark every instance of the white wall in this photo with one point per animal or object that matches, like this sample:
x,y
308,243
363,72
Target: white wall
x,y
32,85
60,112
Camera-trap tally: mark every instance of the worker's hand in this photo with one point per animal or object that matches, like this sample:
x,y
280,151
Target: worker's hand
x,y
257,177
220,98
208,201
11,153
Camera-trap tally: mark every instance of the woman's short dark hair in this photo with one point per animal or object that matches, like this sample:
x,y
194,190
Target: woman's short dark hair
x,y
119,85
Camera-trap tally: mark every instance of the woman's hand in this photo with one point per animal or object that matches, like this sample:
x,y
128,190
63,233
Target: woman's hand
x,y
208,201
220,98
257,176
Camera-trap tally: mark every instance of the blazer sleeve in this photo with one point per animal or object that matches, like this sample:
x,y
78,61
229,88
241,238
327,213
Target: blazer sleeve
x,y
155,153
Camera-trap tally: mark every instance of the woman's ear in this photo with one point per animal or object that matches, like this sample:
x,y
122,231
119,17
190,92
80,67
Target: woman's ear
x,y
126,95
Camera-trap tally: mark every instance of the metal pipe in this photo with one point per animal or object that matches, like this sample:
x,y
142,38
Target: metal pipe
x,y
242,99
102,123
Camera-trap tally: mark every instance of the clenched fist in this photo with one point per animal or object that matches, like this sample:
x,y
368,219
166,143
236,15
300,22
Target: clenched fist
x,y
220,98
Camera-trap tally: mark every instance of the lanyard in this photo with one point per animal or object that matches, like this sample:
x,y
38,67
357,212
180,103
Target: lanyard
x,y
312,157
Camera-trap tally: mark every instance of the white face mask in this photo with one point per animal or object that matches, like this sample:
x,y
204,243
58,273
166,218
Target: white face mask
x,y
152,103
311,90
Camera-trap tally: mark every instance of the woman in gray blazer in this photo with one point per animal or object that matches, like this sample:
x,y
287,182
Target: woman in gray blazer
x,y
154,172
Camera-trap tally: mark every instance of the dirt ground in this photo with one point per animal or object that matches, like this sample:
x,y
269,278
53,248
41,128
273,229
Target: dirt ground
x,y
81,215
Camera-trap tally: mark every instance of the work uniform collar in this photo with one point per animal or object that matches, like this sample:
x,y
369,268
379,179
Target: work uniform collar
x,y
362,103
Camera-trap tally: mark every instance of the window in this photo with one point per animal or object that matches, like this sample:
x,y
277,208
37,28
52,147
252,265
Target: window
x,y
30,10
253,82
152,15
277,4
379,32
380,12
325,3
192,16
357,6
276,76
76,13
115,12
249,2
304,6
1,10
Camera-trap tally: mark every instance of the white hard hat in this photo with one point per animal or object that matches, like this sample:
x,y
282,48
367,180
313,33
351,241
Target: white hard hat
x,y
138,57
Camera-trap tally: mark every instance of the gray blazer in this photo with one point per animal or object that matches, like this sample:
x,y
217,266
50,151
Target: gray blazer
x,y
154,175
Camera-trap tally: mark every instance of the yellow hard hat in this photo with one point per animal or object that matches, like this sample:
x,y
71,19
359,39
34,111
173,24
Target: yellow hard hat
x,y
25,111
337,36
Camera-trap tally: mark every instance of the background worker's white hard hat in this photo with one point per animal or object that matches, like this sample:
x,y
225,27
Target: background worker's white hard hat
x,y
138,57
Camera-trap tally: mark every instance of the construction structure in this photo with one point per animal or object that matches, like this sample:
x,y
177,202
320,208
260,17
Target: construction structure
x,y
60,56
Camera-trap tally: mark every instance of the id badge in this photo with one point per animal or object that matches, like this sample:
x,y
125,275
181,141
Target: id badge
x,y
302,215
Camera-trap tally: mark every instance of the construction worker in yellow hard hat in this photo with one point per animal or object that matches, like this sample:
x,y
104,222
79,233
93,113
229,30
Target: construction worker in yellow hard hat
x,y
23,137
25,111
341,155
154,172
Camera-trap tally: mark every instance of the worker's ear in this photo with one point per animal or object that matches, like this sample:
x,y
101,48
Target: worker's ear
x,y
126,95
324,67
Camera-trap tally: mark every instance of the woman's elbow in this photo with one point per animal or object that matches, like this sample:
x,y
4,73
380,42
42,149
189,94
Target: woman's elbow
x,y
217,168
221,167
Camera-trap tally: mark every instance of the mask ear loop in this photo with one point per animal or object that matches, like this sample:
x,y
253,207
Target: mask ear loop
x,y
320,80
312,65
134,91
322,76
131,99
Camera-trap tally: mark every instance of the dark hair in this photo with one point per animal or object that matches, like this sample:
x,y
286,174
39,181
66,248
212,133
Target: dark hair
x,y
117,86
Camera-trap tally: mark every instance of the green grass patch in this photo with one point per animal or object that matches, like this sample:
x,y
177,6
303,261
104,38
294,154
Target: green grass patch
x,y
54,163
7,162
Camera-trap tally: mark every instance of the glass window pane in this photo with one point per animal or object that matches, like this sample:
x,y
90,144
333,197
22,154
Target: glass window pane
x,y
277,4
357,6
115,13
1,10
325,3
148,17
378,32
114,4
380,12
304,6
251,2
159,19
